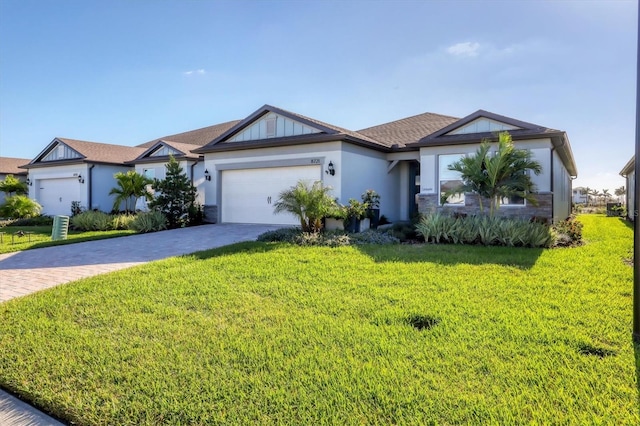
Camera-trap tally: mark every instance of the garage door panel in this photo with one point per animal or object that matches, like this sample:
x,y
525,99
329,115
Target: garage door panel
x,y
56,195
249,195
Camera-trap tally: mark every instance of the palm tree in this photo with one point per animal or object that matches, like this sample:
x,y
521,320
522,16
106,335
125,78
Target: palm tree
x,y
606,195
620,192
501,175
586,192
311,203
131,186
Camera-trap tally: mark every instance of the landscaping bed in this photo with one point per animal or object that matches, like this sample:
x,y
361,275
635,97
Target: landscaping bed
x,y
268,333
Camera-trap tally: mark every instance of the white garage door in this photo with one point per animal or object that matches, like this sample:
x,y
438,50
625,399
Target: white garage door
x,y
248,195
56,195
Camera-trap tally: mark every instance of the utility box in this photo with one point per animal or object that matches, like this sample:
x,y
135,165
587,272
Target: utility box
x,y
60,228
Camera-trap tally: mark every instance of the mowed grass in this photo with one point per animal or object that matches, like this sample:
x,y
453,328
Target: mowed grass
x,y
276,334
41,237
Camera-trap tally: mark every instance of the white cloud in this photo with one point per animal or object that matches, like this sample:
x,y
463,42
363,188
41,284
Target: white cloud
x,y
464,49
192,72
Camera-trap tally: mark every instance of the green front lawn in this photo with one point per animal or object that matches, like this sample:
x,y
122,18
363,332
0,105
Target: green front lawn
x,y
40,236
262,333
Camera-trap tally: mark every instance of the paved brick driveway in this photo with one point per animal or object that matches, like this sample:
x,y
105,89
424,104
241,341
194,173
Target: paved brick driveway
x,y
29,271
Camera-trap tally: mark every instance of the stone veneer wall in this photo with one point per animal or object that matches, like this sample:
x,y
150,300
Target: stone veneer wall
x,y
428,203
211,214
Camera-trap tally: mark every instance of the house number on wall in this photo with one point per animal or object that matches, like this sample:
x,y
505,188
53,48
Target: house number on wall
x,y
315,161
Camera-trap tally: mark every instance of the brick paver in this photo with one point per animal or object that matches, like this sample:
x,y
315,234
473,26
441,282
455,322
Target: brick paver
x,y
26,272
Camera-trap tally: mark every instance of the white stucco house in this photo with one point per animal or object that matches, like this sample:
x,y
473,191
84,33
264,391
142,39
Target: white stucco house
x,y
70,170
405,161
579,196
628,172
11,166
240,167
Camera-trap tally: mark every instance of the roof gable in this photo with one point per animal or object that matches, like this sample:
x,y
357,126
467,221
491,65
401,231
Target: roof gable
x,y
161,150
483,122
286,128
83,151
273,125
483,125
58,150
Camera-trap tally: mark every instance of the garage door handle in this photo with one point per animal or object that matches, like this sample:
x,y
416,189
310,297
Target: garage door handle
x,y
268,200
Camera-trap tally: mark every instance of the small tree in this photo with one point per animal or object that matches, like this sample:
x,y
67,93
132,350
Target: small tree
x,y
11,185
131,186
176,196
310,202
503,174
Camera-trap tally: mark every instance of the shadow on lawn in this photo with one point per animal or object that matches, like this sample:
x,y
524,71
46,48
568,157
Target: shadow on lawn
x,y
247,247
452,254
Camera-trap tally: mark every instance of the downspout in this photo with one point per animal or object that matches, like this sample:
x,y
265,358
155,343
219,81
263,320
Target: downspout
x,y
192,168
91,186
553,188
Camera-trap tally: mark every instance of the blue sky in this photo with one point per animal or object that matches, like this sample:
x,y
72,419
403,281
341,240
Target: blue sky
x,y
126,72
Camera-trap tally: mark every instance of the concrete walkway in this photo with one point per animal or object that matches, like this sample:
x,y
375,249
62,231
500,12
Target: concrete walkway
x,y
27,272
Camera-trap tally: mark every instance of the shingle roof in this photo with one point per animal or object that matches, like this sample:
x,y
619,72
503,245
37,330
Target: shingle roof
x,y
408,130
185,148
11,165
91,152
198,137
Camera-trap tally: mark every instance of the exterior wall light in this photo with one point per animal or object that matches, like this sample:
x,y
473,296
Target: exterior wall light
x,y
28,182
80,179
331,170
207,176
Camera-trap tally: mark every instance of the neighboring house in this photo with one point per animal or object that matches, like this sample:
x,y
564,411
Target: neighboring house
x,y
629,173
69,170
11,166
579,196
153,160
405,161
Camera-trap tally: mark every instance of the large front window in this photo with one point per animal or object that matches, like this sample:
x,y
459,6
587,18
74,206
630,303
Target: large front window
x,y
449,180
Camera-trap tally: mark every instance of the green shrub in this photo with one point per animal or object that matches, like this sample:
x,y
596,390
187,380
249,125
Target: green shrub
x,y
485,230
92,221
569,232
32,221
122,221
19,207
283,235
371,236
150,221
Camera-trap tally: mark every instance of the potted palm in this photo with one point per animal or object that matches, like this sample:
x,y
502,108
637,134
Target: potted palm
x,y
372,201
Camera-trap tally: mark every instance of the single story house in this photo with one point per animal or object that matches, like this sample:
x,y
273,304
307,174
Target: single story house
x,y
240,167
11,166
69,170
405,161
628,172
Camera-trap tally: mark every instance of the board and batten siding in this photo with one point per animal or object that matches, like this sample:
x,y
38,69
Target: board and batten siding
x,y
273,125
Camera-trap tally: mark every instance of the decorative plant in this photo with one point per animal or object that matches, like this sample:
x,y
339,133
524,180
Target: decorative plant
x,y
310,202
131,186
175,196
371,199
11,185
355,209
19,206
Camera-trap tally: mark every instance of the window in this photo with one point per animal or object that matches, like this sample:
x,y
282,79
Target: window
x,y
514,200
271,127
449,180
